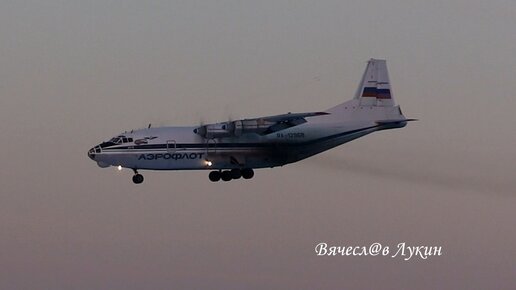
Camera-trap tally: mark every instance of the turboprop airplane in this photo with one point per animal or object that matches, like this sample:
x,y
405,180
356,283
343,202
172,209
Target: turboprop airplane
x,y
233,149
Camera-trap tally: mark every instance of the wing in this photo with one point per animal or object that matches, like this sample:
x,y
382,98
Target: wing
x,y
261,125
292,116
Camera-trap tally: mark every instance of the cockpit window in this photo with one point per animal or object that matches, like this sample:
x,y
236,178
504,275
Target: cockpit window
x,y
115,140
120,140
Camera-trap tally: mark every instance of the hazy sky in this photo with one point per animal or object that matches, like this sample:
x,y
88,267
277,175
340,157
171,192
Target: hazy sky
x,y
74,73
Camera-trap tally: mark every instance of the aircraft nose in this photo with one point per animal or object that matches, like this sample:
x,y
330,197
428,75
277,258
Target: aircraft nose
x,y
91,153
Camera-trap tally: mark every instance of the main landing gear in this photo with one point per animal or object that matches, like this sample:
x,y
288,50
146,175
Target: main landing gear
x,y
227,175
216,175
137,177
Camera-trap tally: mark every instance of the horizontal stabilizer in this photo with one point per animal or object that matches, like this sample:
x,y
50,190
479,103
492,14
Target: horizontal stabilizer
x,y
385,122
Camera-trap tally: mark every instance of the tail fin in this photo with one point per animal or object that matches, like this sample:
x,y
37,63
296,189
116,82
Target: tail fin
x,y
373,93
375,87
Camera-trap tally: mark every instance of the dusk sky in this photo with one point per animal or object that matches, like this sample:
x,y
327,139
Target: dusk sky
x,y
75,73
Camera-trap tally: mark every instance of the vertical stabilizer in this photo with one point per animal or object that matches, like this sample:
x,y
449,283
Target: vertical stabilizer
x,y
375,87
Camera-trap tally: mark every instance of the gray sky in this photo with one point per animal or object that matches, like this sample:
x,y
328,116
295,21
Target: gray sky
x,y
73,73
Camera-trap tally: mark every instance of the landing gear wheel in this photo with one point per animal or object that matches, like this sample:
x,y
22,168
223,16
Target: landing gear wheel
x,y
247,173
236,173
214,176
137,178
226,175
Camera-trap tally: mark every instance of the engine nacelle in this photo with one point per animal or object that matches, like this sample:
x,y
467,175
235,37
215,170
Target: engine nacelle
x,y
233,129
219,130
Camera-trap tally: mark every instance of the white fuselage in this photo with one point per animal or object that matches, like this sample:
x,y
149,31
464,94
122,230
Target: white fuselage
x,y
174,148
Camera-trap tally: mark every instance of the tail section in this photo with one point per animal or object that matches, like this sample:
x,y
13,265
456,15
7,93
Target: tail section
x,y
375,87
373,100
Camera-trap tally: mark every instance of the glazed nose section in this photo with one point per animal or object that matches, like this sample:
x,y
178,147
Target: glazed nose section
x,y
93,151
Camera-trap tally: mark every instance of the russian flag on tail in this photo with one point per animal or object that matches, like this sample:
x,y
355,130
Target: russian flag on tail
x,y
376,93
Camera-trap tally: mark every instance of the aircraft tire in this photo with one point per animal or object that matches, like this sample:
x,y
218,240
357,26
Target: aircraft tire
x,y
226,175
214,176
137,178
236,173
247,173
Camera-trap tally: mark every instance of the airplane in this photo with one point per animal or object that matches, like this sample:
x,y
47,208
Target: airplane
x,y
233,149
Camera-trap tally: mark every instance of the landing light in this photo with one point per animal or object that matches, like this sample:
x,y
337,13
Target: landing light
x,y
119,167
208,163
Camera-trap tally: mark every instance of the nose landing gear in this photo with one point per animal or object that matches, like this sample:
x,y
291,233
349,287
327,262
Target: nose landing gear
x,y
137,178
227,175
